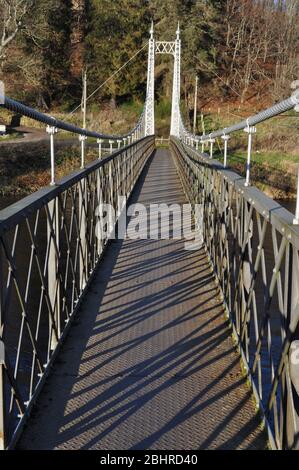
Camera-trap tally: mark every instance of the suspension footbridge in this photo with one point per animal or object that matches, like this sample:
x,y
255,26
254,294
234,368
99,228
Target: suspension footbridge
x,y
143,341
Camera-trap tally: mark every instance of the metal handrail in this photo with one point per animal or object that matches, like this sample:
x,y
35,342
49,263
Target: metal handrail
x,y
268,113
12,215
248,125
279,108
62,233
253,248
20,108
54,124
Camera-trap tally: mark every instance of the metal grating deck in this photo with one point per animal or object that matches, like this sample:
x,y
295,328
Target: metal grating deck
x,y
149,362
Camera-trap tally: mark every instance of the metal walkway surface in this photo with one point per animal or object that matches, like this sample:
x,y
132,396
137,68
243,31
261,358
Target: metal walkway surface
x,y
149,362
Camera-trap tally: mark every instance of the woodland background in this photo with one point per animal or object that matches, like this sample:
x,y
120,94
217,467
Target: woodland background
x,y
244,52
240,49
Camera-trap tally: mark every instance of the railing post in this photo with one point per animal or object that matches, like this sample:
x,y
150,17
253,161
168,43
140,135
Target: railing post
x,y
196,143
296,218
83,259
2,365
110,181
99,142
2,397
292,395
225,138
118,168
51,130
53,263
202,146
82,139
212,141
250,130
111,146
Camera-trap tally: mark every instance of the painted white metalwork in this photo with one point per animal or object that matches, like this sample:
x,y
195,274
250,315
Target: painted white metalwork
x,y
296,218
250,130
165,47
175,111
51,130
249,126
225,139
150,91
212,142
82,139
99,142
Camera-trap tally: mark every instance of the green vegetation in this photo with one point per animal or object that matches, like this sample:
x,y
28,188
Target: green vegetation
x,y
272,172
27,169
275,153
272,159
9,137
238,48
245,53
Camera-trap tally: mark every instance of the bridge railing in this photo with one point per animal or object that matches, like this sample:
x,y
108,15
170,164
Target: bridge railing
x,y
254,250
51,243
54,125
249,126
279,108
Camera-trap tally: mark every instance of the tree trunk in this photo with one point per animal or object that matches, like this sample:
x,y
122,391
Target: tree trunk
x,y
78,28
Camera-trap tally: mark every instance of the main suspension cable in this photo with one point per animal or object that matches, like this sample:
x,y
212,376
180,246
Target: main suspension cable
x,y
109,78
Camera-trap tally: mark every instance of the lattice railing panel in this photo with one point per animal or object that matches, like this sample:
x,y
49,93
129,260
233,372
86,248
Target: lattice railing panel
x,y
49,249
253,247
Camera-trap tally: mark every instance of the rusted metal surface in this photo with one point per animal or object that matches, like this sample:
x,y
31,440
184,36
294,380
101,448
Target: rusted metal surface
x,y
149,363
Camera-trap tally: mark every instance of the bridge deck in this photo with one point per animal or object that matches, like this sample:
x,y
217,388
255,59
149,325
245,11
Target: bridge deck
x,y
149,362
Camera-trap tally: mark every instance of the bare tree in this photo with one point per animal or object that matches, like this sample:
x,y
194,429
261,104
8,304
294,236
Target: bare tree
x,y
78,27
262,45
12,13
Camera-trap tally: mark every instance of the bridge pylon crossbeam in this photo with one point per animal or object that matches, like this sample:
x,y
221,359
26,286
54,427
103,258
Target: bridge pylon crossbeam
x,y
165,47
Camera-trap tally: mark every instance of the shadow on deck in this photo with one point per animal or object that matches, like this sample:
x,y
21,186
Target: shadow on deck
x,y
149,362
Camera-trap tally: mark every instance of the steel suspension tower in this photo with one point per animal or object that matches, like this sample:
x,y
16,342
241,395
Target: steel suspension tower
x,y
163,47
175,111
150,91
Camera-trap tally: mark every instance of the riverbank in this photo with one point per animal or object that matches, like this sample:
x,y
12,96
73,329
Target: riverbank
x,y
275,150
25,166
273,173
25,161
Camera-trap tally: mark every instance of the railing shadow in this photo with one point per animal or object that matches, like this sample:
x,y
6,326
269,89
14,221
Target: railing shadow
x,y
151,324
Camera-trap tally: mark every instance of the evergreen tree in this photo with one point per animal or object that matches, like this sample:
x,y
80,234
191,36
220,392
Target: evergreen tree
x,y
232,45
117,31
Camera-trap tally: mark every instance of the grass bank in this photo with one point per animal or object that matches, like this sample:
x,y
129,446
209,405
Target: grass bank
x,y
275,174
275,150
25,169
275,158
